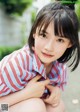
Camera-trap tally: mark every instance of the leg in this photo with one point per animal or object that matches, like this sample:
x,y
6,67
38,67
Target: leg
x,y
30,105
59,108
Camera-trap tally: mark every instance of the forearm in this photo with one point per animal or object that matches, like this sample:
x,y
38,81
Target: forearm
x,y
14,98
33,89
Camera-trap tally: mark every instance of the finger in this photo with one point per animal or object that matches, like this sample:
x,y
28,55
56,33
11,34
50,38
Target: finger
x,y
36,78
51,101
50,98
49,87
46,82
55,104
47,101
56,100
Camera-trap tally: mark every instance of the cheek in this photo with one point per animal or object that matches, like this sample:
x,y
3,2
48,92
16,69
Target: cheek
x,y
37,46
61,51
39,43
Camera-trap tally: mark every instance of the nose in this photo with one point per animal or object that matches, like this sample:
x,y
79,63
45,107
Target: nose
x,y
49,46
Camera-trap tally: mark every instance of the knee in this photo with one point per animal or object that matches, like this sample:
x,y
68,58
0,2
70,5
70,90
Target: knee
x,y
37,105
58,108
62,106
30,105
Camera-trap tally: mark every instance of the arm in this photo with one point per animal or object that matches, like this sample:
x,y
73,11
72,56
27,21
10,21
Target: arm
x,y
14,98
13,73
54,97
55,91
37,88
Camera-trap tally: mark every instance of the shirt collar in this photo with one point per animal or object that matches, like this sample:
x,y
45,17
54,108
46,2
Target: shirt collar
x,y
38,66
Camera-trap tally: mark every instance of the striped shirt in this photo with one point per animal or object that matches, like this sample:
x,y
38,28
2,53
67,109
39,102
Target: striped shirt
x,y
19,67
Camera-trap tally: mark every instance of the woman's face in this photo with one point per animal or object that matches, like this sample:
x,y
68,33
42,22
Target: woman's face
x,y
49,47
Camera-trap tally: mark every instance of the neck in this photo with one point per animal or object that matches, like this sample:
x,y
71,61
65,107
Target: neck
x,y
47,65
48,68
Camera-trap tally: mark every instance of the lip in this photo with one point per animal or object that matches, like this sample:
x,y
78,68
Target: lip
x,y
47,55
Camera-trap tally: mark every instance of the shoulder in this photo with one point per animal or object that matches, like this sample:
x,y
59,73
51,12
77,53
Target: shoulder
x,y
59,67
58,64
16,56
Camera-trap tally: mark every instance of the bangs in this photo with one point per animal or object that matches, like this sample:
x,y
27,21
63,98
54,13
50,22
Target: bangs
x,y
44,22
63,26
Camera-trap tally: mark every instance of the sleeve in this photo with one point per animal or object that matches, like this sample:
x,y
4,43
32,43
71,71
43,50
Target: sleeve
x,y
63,76
4,90
13,74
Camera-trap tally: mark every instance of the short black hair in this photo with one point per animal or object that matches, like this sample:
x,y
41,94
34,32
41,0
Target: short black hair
x,y
65,25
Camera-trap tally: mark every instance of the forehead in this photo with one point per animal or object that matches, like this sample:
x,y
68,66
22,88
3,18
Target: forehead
x,y
48,28
60,23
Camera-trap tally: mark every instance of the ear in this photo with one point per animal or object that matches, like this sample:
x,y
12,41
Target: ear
x,y
70,45
34,35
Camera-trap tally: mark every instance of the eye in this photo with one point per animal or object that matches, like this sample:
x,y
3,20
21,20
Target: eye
x,y
43,35
60,40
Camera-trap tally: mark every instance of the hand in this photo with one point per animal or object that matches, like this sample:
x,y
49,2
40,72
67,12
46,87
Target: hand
x,y
36,88
55,95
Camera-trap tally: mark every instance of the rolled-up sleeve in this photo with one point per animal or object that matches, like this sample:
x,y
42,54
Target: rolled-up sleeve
x,y
59,76
63,77
13,73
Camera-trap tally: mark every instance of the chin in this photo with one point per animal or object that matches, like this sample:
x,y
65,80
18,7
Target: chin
x,y
46,62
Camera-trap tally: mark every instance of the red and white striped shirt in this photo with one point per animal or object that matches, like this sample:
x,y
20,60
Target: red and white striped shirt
x,y
19,67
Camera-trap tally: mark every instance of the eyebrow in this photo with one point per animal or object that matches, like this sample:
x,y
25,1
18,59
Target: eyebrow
x,y
44,31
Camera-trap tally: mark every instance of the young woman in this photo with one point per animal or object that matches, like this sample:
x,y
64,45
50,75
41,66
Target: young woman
x,y
31,78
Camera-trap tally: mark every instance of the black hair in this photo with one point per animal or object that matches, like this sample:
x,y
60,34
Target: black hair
x,y
69,3
65,25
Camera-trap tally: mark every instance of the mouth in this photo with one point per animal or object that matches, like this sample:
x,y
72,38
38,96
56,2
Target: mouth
x,y
47,55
